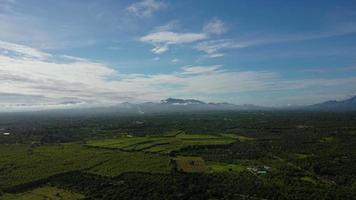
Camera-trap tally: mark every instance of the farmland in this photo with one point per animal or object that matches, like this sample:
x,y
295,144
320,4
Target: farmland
x,y
249,156
46,192
160,144
21,164
121,162
190,164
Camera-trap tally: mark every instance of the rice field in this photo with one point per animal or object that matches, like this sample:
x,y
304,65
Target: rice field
x,y
160,144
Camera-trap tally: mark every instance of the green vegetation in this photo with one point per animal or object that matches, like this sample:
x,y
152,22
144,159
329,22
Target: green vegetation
x,y
46,192
309,179
253,155
302,156
160,144
132,162
21,164
225,167
244,138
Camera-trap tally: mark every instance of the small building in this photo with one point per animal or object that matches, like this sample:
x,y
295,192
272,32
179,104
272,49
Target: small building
x,y
259,170
7,133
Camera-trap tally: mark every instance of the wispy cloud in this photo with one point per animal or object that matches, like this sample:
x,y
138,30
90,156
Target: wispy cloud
x,y
162,40
215,26
200,69
146,8
213,47
170,26
175,60
32,80
162,37
24,51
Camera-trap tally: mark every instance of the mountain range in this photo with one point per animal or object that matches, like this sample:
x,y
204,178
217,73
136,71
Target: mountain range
x,y
173,105
193,105
344,105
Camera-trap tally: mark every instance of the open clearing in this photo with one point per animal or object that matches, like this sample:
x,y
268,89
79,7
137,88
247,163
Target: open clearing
x,y
190,164
160,144
47,192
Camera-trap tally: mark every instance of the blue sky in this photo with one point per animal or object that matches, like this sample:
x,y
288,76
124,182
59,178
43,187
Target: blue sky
x,y
87,53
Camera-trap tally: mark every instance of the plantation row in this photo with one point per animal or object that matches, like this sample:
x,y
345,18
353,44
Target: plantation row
x,y
160,144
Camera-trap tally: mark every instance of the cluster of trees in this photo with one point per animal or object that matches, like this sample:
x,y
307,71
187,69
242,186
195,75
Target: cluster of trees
x,y
227,153
317,152
168,186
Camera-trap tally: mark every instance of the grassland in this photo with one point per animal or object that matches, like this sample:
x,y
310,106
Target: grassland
x,y
160,144
45,193
21,164
132,162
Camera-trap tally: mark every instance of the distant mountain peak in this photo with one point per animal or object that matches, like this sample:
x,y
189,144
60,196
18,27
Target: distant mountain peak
x,y
173,101
343,105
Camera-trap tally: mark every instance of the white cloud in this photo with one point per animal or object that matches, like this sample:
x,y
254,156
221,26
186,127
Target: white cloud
x,y
146,8
168,37
162,37
216,55
162,40
167,27
160,49
23,50
29,81
213,47
175,60
200,69
215,26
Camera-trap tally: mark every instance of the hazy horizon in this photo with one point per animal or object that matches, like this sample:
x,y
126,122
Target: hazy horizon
x,y
60,54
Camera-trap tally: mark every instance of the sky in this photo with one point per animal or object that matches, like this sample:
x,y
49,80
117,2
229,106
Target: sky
x,y
75,53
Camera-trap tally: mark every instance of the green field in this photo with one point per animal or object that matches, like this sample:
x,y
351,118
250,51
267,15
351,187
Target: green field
x,y
132,162
21,164
252,156
45,193
160,144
